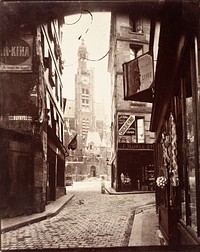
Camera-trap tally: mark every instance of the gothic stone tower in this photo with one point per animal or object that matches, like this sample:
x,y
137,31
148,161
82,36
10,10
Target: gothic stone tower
x,y
84,93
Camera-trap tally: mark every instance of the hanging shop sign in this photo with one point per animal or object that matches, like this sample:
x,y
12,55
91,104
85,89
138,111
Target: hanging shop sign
x,y
126,125
137,75
16,55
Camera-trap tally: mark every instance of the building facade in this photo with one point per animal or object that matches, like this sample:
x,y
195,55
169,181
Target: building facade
x,y
32,153
132,142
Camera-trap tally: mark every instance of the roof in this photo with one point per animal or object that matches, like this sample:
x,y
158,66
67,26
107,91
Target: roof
x,y
70,109
93,137
103,143
37,12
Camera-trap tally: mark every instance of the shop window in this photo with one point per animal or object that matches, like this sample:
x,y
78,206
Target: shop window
x,y
189,161
190,155
135,133
139,135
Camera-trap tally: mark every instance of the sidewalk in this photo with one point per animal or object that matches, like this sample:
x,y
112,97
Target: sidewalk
x,y
51,210
144,231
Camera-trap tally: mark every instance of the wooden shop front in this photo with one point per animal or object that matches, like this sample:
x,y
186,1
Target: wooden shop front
x,y
176,122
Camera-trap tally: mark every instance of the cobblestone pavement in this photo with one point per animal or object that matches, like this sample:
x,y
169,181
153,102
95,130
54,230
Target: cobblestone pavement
x,y
90,219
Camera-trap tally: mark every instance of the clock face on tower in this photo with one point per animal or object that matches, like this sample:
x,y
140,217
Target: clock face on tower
x,y
85,79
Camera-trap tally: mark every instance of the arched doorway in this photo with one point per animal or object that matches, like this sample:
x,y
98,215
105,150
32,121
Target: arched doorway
x,y
93,171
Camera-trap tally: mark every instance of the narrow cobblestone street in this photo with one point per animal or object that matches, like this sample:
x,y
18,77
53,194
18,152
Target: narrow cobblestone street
x,y
90,219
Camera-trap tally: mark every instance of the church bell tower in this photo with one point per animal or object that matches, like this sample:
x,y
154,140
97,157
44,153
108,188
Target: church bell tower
x,y
84,97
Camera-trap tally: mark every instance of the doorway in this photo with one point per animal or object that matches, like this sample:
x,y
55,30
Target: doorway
x,y
93,171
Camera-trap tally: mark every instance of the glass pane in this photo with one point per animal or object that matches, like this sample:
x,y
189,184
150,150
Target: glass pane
x,y
140,130
139,52
183,206
191,162
132,54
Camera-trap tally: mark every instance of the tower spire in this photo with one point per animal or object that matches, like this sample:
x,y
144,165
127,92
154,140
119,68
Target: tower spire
x,y
82,56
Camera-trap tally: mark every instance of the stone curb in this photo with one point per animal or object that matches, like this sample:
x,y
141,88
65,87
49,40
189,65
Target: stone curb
x,y
137,233
30,219
143,208
113,192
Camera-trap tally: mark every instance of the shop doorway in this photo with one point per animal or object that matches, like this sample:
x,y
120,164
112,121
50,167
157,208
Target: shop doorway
x,y
138,169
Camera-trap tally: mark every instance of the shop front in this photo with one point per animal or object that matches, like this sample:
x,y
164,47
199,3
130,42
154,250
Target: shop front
x,y
134,158
176,122
135,164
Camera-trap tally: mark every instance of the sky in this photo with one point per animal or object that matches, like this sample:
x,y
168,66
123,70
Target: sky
x,y
94,28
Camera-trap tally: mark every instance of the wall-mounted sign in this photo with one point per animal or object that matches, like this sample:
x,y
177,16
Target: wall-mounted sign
x,y
137,75
20,118
16,55
18,123
126,125
136,146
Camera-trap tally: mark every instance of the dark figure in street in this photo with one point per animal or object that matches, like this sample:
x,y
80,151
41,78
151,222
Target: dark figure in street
x,y
103,185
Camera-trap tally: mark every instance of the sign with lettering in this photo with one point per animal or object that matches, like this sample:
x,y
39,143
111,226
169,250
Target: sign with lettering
x,y
20,118
136,146
137,75
145,70
16,55
126,124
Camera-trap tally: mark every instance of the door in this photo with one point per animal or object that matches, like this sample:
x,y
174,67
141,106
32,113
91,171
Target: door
x,y
93,171
51,182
